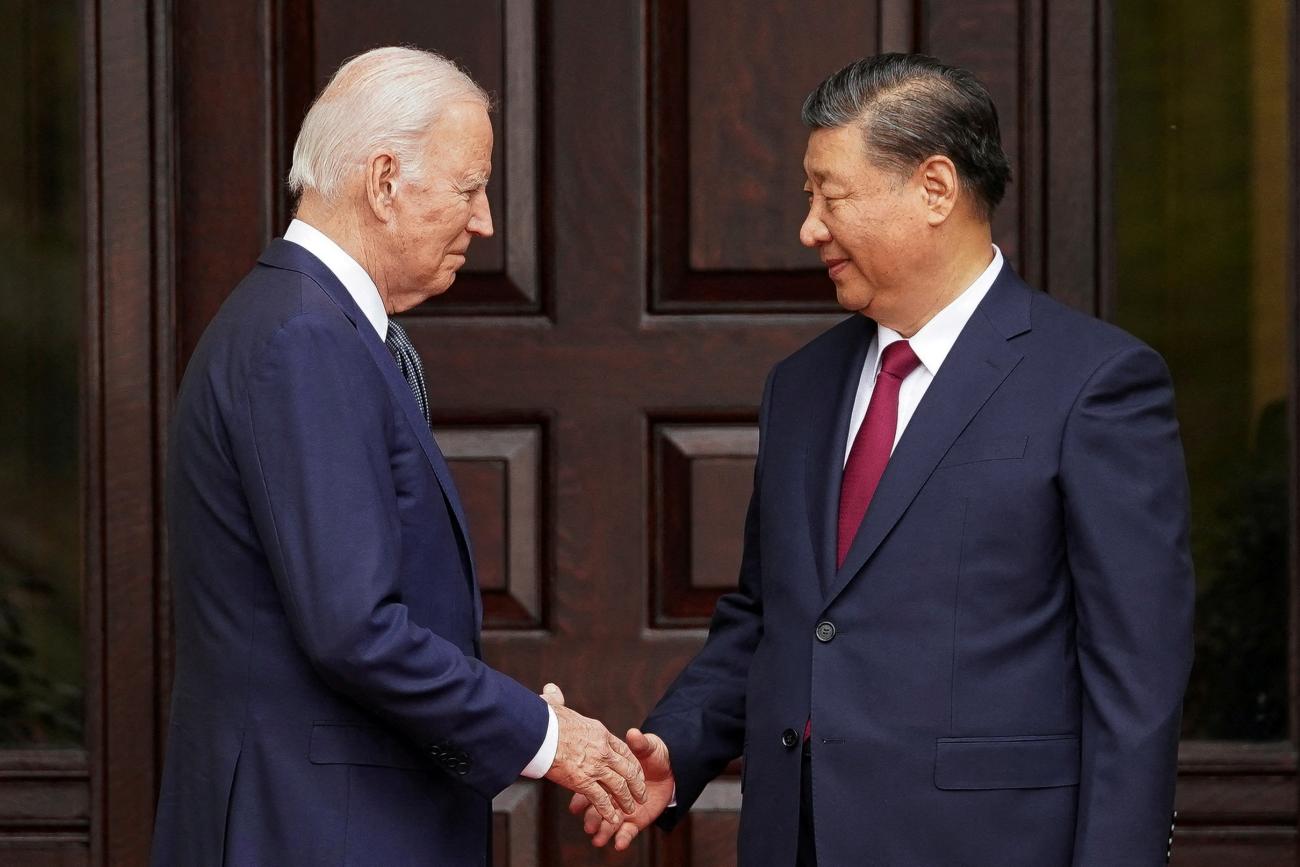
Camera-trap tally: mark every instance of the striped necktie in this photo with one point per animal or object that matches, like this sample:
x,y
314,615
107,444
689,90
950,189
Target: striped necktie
x,y
409,362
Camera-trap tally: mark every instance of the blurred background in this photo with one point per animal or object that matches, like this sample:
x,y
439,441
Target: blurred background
x,y
596,372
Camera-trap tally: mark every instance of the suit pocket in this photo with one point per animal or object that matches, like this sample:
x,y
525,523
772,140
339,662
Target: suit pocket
x,y
345,744
997,449
1024,762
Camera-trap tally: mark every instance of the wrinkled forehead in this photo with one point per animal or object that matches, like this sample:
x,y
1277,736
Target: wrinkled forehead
x,y
833,152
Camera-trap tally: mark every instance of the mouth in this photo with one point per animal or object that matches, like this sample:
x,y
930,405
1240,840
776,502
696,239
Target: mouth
x,y
835,266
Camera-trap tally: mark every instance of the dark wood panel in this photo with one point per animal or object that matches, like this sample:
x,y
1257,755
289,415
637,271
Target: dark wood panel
x,y
1256,847
220,51
45,808
476,42
702,476
988,38
708,835
43,851
748,68
484,484
1071,243
726,147
499,471
130,278
517,826
496,42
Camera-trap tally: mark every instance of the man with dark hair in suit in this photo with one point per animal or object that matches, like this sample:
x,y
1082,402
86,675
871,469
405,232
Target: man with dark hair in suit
x,y
330,703
963,626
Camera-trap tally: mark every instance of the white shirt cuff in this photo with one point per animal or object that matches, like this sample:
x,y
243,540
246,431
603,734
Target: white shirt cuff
x,y
545,757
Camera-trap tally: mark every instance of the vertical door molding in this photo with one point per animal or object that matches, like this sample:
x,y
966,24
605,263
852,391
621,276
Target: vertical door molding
x,y
128,382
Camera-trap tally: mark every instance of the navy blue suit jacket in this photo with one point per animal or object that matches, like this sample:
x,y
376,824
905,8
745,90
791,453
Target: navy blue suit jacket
x,y
1000,668
329,704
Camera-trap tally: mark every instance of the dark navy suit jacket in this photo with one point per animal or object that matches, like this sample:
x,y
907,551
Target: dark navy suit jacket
x,y
995,676
329,706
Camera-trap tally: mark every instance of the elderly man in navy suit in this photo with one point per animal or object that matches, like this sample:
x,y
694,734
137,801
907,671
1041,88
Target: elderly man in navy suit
x,y
330,704
963,626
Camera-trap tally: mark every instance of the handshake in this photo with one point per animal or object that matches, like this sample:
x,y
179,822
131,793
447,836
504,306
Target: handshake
x,y
620,787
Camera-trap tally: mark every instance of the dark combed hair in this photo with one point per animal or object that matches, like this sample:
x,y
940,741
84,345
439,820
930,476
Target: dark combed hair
x,y
912,107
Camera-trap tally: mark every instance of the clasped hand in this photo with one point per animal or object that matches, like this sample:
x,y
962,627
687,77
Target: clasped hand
x,y
650,791
592,762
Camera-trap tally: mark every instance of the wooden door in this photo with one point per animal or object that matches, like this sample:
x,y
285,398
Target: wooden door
x,y
594,375
595,372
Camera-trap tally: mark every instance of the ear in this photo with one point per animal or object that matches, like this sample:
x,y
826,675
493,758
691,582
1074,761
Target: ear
x,y
937,178
381,185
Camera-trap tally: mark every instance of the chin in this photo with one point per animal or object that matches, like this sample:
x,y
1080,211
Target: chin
x,y
442,285
853,302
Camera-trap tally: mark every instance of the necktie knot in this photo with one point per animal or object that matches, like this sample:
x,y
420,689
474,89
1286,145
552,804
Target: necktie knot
x,y
898,360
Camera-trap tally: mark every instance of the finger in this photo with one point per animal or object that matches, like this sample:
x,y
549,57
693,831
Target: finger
x,y
578,804
625,836
644,745
553,695
603,803
606,832
639,743
626,765
591,822
618,790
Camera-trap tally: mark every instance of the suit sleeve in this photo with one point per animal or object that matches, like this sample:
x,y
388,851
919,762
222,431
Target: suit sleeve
x,y
318,479
702,715
1126,514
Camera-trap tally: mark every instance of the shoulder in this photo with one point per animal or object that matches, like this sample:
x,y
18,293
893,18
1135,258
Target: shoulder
x,y
1074,331
1088,348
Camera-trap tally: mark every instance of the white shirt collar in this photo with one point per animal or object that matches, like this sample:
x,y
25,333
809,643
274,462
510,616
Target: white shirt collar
x,y
935,339
350,273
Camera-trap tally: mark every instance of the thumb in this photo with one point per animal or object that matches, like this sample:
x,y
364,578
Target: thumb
x,y
551,693
642,744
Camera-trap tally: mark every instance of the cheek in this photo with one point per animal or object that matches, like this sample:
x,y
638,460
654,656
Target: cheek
x,y
446,227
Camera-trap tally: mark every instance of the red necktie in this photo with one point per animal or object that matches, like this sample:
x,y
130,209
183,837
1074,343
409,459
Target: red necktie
x,y
873,444
871,449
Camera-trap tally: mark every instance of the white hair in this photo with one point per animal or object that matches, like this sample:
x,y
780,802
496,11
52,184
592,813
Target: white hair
x,y
384,99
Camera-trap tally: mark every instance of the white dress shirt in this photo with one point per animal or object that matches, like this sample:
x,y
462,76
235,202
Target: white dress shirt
x,y
364,291
931,343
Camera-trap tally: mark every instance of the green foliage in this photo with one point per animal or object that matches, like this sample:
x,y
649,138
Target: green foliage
x,y
35,709
1240,689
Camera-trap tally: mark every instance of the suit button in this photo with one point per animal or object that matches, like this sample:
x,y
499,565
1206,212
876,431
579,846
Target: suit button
x,y
825,631
789,738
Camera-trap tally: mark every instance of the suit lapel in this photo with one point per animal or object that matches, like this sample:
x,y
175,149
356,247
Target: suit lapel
x,y
287,255
829,409
979,362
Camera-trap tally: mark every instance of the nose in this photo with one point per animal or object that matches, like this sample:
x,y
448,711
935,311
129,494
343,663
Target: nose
x,y
813,232
480,220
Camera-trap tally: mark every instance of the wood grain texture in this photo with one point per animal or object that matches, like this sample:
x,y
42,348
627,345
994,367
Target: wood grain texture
x,y
577,326
748,69
497,44
702,477
990,39
726,83
500,471
125,747
223,225
517,827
